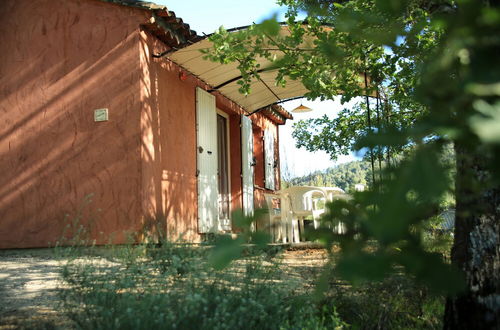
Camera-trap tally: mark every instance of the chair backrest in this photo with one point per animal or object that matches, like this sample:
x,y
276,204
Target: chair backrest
x,y
332,192
301,197
345,197
313,199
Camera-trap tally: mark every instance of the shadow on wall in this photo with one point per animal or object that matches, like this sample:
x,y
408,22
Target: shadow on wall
x,y
168,147
61,60
52,153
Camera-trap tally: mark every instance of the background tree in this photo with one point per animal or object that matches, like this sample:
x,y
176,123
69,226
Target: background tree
x,y
344,176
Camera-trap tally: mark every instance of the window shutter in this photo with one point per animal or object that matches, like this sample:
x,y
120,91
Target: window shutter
x,y
269,159
246,161
206,137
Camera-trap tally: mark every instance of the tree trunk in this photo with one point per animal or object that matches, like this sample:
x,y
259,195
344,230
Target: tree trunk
x,y
476,248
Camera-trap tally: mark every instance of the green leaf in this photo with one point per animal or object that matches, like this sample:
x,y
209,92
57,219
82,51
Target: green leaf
x,y
484,89
486,124
430,269
270,27
362,267
225,251
261,239
331,50
241,221
392,7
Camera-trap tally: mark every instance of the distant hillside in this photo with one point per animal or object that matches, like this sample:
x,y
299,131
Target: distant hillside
x,y
344,176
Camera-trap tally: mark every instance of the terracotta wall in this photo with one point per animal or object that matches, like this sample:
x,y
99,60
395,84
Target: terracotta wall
x,y
169,186
260,124
60,60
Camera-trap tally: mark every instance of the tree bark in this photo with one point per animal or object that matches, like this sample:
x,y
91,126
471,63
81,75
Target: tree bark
x,y
476,248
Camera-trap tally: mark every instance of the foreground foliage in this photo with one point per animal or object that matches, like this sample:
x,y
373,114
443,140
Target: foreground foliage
x,y
172,287
439,62
394,303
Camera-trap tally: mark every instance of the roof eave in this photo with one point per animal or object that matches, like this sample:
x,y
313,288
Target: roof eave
x,y
164,25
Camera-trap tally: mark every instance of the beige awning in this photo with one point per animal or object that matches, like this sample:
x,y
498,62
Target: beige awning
x,y
224,77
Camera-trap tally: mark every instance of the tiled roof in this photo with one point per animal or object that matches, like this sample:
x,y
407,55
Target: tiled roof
x,y
164,24
277,113
278,108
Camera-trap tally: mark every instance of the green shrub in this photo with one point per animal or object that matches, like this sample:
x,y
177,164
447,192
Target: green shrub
x,y
171,286
394,303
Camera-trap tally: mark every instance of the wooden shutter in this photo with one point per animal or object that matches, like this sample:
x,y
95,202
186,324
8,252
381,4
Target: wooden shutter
x,y
206,126
247,161
269,159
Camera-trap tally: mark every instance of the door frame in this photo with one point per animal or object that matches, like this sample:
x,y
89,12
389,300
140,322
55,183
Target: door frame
x,y
228,152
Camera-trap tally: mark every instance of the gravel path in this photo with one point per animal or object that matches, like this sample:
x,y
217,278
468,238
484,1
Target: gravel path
x,y
29,280
28,283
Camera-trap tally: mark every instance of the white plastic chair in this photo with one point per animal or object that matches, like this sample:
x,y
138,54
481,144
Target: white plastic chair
x,y
335,193
302,205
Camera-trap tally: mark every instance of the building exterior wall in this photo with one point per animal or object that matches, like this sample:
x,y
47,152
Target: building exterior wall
x,y
169,186
60,60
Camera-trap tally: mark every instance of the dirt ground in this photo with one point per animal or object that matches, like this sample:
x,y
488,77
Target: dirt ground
x,y
29,280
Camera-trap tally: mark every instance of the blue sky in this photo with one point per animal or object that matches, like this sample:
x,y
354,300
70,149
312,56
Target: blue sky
x,y
208,16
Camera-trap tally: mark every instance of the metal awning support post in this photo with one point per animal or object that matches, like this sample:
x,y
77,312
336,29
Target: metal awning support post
x,y
372,161
380,150
387,111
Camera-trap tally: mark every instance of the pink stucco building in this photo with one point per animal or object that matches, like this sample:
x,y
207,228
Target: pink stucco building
x,y
89,111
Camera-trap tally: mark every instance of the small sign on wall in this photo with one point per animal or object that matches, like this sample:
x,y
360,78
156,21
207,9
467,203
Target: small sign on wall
x,y
101,114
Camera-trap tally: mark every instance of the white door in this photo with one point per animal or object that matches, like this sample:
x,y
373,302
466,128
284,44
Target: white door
x,y
247,164
269,159
207,161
